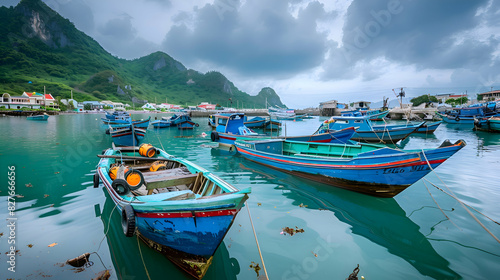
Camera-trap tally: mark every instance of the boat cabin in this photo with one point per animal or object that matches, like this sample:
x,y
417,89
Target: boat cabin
x,y
232,124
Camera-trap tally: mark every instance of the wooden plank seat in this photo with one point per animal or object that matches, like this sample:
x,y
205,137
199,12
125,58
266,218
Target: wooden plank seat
x,y
169,180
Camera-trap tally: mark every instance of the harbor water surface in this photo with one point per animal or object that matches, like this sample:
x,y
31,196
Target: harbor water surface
x,y
61,216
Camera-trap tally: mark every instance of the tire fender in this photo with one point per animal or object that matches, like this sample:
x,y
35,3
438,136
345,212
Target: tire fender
x,y
128,220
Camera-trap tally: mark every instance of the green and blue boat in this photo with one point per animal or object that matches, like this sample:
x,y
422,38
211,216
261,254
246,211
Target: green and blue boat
x,y
366,168
175,206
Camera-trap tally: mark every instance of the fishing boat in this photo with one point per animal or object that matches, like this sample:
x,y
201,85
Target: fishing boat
x,y
138,123
428,128
364,168
281,114
127,135
367,132
173,205
231,128
377,115
272,125
256,122
491,124
118,115
161,123
187,124
42,117
467,115
177,119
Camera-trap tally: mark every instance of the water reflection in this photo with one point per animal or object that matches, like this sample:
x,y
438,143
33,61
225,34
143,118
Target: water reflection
x,y
381,220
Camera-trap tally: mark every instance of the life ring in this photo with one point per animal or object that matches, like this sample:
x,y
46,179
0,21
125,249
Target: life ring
x,y
120,186
457,119
128,220
134,179
214,136
96,180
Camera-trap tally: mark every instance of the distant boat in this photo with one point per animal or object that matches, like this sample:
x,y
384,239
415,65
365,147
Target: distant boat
x,y
467,115
161,123
377,115
232,128
127,135
173,205
256,122
118,115
428,127
42,117
272,125
364,168
117,122
367,132
187,124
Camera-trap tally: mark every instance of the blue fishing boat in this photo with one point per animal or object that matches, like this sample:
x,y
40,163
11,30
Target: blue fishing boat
x,y
161,123
42,117
173,205
256,122
367,132
376,115
118,115
364,168
428,128
127,135
272,125
467,115
491,124
187,125
177,119
231,127
494,124
117,122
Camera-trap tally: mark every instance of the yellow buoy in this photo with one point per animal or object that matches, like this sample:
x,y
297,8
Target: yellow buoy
x,y
147,150
157,165
113,171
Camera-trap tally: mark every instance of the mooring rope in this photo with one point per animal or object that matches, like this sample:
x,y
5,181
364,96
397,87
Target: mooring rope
x,y
142,258
439,206
257,241
459,201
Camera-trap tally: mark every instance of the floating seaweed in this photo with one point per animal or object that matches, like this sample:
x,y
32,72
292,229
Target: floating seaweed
x,y
255,267
103,275
291,231
354,274
302,205
29,185
79,261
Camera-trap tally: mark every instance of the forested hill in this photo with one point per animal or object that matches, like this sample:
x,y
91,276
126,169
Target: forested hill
x,y
41,48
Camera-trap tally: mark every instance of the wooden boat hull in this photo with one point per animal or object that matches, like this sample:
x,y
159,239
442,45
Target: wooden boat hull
x,y
388,135
378,172
186,125
117,123
256,122
188,231
272,125
428,128
494,124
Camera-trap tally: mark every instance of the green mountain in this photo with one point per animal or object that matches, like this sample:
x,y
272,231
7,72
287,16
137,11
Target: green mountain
x,y
40,48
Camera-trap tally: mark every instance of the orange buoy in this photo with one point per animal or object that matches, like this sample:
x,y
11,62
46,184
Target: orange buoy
x,y
114,170
134,178
147,150
157,165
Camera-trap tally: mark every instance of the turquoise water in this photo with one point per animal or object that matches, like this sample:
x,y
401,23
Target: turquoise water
x,y
407,237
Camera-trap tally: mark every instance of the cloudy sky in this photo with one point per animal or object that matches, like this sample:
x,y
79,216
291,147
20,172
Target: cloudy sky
x,y
309,51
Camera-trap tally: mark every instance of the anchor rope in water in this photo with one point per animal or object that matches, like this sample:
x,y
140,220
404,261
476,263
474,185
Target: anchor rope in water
x,y
439,206
459,201
257,241
463,202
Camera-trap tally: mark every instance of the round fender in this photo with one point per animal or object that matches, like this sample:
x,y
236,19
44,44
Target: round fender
x,y
134,179
197,124
457,118
128,220
96,180
214,136
121,186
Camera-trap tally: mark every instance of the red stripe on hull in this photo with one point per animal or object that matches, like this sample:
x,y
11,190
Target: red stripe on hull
x,y
197,214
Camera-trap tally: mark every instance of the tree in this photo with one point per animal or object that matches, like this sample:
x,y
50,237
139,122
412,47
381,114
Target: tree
x,y
480,97
87,107
423,99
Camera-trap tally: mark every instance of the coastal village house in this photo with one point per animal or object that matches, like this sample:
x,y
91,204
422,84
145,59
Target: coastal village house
x,y
31,100
206,106
94,105
114,105
331,108
490,95
149,106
